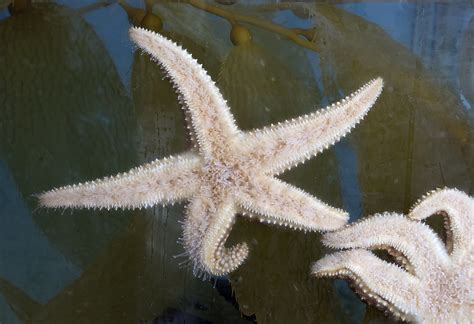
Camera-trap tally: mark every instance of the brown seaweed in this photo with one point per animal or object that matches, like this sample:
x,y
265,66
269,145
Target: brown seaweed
x,y
135,279
417,136
64,109
466,66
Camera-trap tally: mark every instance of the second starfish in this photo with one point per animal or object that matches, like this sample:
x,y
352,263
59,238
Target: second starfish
x,y
230,171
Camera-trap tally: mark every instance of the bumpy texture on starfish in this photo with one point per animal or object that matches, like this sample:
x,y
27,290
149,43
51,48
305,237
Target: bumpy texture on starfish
x,y
434,282
230,172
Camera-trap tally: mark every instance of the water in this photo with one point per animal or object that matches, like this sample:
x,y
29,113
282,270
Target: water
x,y
78,103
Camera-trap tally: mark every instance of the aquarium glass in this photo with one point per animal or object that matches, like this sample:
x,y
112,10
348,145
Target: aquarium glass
x,y
79,101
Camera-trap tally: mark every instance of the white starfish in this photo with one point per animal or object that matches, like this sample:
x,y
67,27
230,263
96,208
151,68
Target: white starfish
x,y
232,171
435,283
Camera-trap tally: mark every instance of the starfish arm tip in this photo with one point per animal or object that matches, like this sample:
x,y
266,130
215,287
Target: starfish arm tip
x,y
335,220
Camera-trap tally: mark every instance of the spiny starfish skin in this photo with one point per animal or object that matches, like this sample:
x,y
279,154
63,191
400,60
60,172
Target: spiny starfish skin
x,y
231,172
435,282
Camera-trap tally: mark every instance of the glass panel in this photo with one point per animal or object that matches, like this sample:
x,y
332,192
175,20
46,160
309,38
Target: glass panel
x,y
79,101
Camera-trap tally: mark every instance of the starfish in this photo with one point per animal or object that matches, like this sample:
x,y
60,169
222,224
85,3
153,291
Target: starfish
x,y
230,171
432,282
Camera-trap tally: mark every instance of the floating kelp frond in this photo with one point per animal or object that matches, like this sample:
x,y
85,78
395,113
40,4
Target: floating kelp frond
x,y
18,6
137,265
209,32
5,3
421,131
63,109
24,307
262,89
466,64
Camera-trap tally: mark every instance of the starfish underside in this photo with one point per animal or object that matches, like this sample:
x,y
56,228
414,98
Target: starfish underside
x,y
431,281
230,171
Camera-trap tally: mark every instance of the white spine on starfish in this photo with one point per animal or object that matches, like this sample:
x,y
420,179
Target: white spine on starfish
x,y
282,204
165,181
282,146
441,290
211,119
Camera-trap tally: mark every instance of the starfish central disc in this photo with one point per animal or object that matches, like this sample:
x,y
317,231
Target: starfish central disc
x,y
232,171
221,175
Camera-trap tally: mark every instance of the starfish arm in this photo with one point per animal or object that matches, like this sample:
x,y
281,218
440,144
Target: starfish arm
x,y
162,181
211,120
416,241
280,147
458,210
206,228
374,280
280,203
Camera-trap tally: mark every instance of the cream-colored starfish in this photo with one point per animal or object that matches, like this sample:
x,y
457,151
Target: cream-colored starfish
x,y
435,282
231,171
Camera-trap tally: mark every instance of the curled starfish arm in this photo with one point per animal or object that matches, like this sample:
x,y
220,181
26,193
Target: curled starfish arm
x,y
282,146
280,203
206,229
164,181
211,120
457,208
439,290
414,240
375,282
